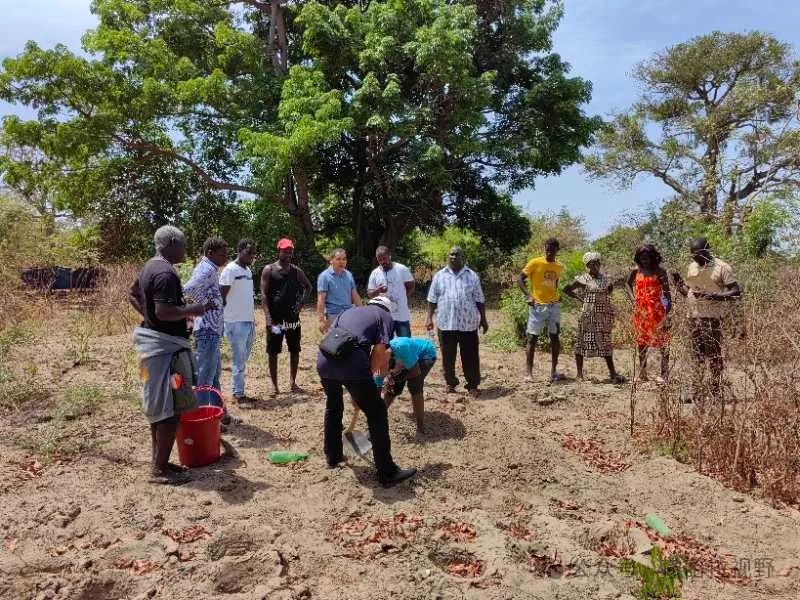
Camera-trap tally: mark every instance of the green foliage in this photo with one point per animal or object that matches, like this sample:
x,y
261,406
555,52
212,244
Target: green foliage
x,y
724,105
366,119
28,239
435,248
504,339
514,306
78,401
662,579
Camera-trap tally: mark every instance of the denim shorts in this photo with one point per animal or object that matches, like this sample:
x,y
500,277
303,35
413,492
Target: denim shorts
x,y
541,315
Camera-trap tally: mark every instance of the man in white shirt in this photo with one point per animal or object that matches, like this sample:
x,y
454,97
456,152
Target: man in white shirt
x,y
395,281
457,299
236,284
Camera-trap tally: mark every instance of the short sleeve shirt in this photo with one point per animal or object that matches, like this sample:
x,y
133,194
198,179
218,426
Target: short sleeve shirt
x,y
371,325
158,283
543,279
714,277
410,350
395,280
338,288
239,304
456,296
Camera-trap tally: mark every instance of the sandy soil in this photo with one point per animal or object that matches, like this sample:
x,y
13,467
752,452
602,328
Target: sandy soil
x,y
504,506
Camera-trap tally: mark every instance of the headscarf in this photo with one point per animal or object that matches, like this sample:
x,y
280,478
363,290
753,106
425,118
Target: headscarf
x,y
590,257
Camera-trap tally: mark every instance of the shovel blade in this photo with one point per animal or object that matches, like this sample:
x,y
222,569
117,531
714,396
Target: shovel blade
x,y
358,442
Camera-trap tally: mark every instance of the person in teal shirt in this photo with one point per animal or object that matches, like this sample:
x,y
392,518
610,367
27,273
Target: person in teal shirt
x,y
410,360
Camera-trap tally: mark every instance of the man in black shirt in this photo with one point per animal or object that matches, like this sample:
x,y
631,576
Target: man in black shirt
x,y
284,288
157,296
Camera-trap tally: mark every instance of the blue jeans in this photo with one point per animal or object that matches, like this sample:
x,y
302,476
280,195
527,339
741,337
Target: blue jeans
x,y
209,364
240,336
402,328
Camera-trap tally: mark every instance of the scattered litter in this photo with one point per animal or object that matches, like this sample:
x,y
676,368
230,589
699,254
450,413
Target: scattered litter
x,y
283,457
657,524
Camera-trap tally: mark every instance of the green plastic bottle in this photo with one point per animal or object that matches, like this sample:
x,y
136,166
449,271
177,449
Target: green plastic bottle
x,y
283,457
657,524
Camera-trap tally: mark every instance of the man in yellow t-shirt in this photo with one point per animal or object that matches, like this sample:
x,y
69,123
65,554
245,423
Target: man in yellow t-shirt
x,y
539,282
710,287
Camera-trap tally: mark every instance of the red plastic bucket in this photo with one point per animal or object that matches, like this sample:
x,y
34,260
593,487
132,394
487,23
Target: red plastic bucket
x,y
199,432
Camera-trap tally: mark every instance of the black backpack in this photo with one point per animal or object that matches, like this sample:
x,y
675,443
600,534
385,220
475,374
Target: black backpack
x,y
338,343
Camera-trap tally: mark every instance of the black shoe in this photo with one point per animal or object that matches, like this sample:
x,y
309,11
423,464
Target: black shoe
x,y
399,476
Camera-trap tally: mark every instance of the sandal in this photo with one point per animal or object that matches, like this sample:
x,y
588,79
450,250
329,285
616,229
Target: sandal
x,y
176,468
618,379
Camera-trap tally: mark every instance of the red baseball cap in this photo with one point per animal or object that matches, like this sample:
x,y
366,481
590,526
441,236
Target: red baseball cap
x,y
285,243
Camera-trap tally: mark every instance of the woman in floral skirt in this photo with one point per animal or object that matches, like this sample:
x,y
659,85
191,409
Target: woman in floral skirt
x,y
594,289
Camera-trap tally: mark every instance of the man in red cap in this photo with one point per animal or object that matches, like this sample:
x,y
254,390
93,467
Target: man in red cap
x,y
284,289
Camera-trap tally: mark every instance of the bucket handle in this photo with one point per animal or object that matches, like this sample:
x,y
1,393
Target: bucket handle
x,y
209,388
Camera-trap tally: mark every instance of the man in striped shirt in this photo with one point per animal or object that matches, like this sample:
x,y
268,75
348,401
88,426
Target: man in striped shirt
x,y
203,287
457,298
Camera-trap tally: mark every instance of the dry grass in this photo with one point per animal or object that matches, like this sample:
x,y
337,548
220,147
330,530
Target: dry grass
x,y
752,439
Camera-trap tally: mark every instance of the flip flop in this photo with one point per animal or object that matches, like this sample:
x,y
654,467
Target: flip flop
x,y
557,377
176,468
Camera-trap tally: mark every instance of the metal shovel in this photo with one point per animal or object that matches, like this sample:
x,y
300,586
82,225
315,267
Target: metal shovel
x,y
358,442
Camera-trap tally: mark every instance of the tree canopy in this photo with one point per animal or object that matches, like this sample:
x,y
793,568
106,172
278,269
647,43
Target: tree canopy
x,y
373,118
717,123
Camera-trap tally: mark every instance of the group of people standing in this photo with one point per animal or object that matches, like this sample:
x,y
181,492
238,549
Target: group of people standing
x,y
709,286
382,356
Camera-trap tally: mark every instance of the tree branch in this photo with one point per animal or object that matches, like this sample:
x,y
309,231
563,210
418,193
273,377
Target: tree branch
x,y
196,168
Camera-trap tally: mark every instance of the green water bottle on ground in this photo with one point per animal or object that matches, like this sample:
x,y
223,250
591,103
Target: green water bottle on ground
x,y
657,524
283,457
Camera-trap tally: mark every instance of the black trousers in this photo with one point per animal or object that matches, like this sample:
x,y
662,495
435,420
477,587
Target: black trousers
x,y
368,398
467,343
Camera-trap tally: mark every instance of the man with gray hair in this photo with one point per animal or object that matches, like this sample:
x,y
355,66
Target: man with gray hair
x,y
162,342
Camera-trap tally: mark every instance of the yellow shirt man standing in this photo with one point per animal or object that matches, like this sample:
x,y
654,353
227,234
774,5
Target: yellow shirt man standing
x,y
539,281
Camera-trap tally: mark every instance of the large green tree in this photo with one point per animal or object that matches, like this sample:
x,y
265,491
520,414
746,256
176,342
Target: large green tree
x,y
717,123
372,117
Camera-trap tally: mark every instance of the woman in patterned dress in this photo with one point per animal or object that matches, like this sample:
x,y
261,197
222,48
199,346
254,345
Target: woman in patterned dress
x,y
597,316
652,302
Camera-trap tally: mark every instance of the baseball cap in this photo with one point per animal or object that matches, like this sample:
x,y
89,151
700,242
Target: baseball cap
x,y
285,243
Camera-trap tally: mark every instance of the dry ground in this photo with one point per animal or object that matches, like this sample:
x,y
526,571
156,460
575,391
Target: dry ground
x,y
504,505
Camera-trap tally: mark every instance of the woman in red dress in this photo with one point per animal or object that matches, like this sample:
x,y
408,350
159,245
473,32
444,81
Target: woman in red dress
x,y
652,302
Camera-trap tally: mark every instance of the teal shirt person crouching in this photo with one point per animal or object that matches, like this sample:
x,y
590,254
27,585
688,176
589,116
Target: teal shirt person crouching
x,y
411,360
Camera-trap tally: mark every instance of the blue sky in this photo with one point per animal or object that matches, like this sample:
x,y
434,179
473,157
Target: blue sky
x,y
601,39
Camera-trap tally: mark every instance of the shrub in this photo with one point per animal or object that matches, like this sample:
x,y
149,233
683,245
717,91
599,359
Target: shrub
x,y
433,249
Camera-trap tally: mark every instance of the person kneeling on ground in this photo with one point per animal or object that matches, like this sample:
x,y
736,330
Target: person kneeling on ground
x,y
372,326
162,342
410,360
